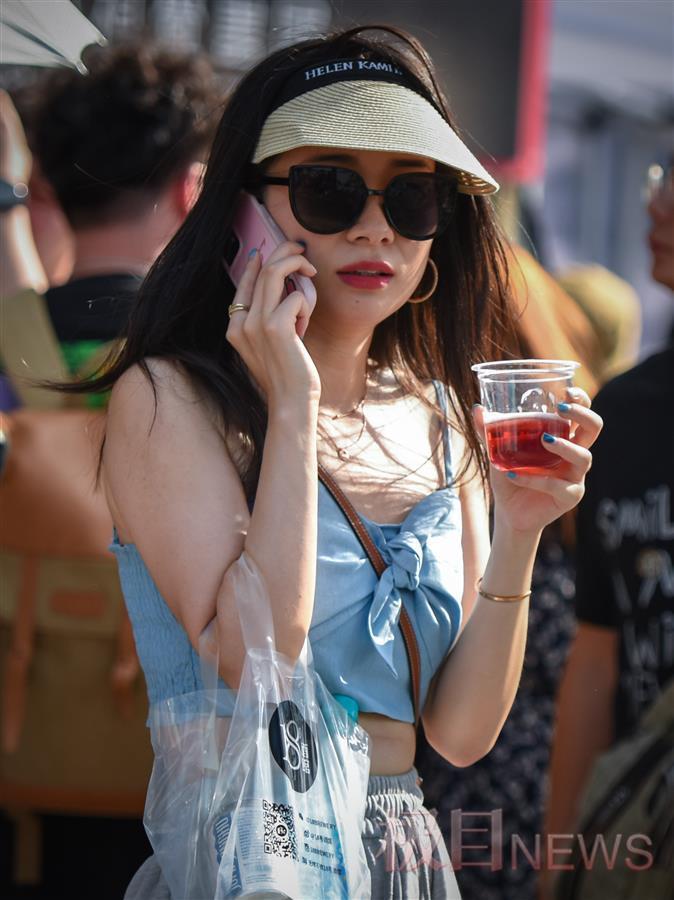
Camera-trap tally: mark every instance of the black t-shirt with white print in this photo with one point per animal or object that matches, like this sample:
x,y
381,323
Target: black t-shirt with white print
x,y
625,575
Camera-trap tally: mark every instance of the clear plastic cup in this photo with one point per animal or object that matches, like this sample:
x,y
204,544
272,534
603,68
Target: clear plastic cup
x,y
520,399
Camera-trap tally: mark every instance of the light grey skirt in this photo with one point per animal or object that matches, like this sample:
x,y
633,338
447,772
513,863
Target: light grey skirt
x,y
405,850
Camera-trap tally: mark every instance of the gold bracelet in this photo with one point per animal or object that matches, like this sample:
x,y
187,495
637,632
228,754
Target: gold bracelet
x,y
501,598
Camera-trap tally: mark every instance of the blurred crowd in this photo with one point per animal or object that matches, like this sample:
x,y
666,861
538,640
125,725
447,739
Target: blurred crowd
x,y
111,163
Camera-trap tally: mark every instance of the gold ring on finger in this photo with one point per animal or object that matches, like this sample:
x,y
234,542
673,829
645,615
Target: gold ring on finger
x,y
233,307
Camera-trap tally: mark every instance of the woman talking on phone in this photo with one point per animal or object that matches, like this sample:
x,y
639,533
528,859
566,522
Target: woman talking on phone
x,y
227,402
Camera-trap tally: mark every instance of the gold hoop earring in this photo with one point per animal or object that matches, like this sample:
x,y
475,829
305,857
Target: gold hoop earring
x,y
433,286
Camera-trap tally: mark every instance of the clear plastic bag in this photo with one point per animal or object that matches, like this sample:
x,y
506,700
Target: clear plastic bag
x,y
260,793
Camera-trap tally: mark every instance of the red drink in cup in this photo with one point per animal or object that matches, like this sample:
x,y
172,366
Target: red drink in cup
x,y
514,442
520,399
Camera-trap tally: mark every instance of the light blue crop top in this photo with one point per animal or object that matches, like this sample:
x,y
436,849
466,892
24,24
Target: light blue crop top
x,y
357,646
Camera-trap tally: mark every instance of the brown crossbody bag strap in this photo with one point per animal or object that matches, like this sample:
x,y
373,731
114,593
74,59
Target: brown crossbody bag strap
x,y
379,565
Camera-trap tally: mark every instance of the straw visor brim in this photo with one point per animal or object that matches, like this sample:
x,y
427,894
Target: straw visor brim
x,y
368,115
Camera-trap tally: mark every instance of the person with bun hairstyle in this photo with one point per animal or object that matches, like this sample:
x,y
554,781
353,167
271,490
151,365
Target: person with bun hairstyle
x,y
227,403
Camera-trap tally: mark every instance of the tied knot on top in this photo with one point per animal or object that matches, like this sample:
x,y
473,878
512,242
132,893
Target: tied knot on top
x,y
404,555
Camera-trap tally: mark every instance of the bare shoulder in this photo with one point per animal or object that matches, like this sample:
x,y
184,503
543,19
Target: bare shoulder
x,y
172,488
158,393
162,430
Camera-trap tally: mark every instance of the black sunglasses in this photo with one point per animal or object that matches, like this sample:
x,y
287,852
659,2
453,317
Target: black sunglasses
x,y
328,199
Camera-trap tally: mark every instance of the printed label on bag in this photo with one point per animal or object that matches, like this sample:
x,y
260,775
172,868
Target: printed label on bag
x,y
293,746
321,848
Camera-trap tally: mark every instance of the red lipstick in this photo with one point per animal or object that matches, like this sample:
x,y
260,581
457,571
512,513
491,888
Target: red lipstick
x,y
367,274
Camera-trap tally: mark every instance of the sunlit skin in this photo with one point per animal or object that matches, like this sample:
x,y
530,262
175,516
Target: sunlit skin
x,y
661,236
343,313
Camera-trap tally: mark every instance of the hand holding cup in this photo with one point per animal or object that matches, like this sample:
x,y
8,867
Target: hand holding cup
x,y
538,429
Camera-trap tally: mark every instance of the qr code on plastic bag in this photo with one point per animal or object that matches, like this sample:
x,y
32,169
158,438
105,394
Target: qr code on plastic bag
x,y
279,830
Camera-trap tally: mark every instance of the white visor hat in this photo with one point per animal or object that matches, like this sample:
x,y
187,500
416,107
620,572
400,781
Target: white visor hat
x,y
367,104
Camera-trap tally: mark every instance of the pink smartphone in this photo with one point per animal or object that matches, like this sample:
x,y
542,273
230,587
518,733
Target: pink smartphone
x,y
253,227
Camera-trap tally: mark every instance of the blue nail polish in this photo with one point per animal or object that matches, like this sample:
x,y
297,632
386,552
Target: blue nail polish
x,y
548,438
302,244
563,407
511,474
252,253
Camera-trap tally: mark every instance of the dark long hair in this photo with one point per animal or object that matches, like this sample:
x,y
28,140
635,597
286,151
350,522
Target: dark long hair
x,y
180,313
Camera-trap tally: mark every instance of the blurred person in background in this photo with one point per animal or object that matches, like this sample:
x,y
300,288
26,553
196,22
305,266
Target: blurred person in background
x,y
122,149
36,242
510,781
115,165
623,652
614,310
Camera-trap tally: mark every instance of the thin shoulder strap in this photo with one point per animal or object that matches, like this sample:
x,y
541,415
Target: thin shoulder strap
x,y
443,399
375,557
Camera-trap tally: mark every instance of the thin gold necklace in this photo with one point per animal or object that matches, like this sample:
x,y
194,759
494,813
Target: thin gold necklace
x,y
355,408
343,450
346,414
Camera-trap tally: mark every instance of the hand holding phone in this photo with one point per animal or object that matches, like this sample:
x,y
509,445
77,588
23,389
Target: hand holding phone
x,y
254,229
275,287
